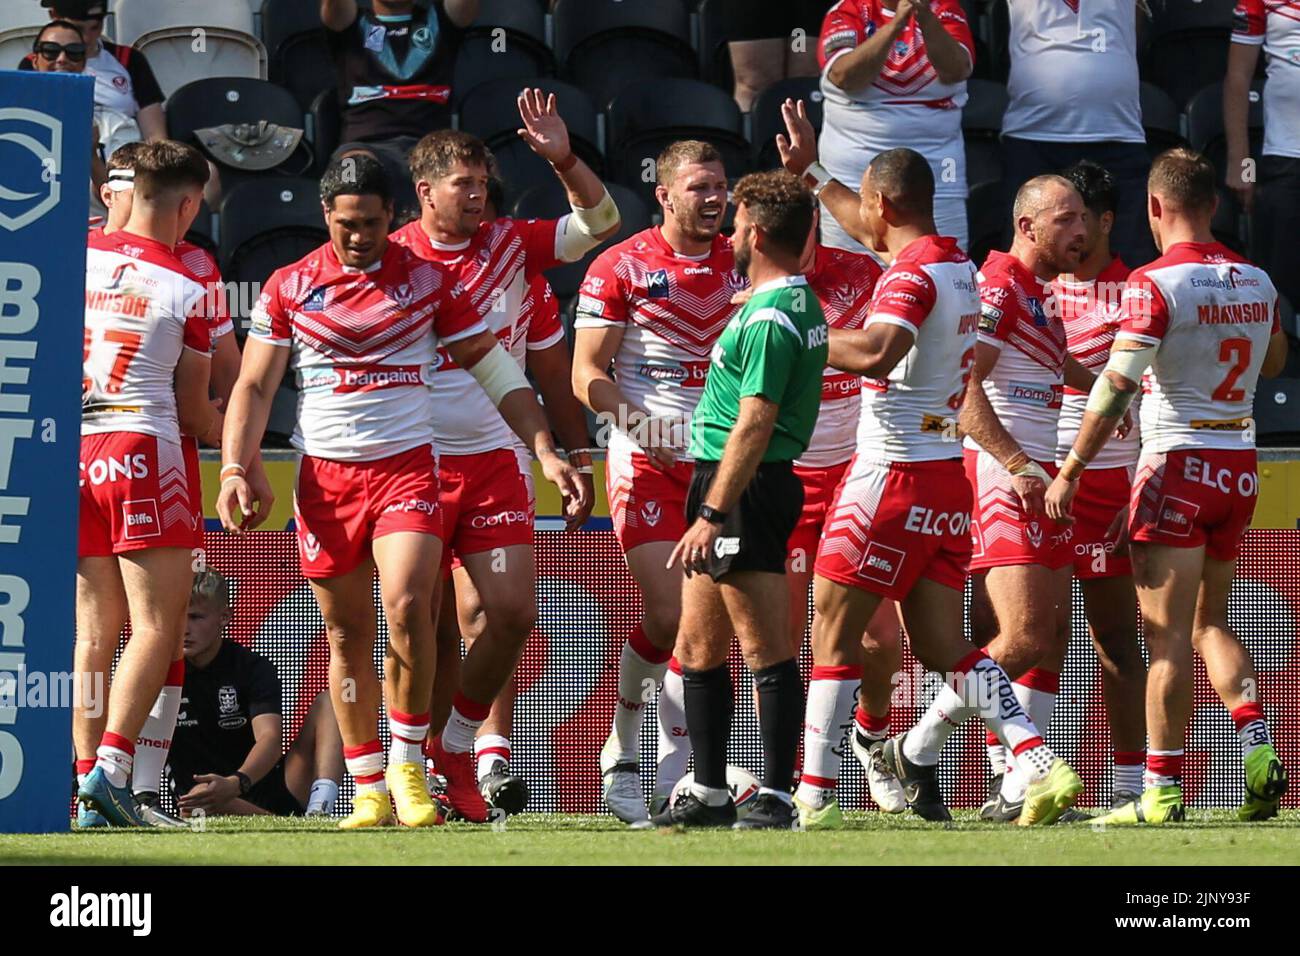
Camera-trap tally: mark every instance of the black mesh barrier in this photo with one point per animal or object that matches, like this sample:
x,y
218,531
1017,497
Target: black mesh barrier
x,y
588,603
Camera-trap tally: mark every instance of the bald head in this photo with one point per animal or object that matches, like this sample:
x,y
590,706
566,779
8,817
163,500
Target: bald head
x,y
1050,235
1039,194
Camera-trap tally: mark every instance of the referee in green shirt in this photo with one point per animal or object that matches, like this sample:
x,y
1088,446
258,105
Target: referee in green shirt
x,y
755,417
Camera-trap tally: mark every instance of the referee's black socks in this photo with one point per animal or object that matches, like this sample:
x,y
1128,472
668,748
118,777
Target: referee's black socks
x,y
780,719
708,720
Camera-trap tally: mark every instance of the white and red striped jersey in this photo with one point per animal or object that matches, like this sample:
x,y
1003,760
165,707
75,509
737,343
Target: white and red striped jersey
x,y
1090,313
1026,385
1211,314
1275,25
1074,72
142,308
672,308
204,268
906,103
497,268
844,283
363,346
931,290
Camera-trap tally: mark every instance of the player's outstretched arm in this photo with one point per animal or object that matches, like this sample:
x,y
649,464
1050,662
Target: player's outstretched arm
x,y
798,149
260,373
1108,401
499,375
595,215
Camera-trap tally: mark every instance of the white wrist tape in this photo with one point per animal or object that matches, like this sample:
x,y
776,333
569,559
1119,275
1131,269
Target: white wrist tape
x,y
1032,469
599,218
818,172
499,374
1105,399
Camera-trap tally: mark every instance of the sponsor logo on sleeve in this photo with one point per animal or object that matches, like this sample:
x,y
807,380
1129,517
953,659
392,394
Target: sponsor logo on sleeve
x,y
590,305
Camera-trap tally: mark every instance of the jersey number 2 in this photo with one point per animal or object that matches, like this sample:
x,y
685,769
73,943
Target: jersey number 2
x,y
1236,352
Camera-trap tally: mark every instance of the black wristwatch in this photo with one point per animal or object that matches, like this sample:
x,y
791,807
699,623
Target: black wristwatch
x,y
245,784
712,515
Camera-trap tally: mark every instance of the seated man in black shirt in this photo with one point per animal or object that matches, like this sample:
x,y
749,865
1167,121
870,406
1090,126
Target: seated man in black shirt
x,y
226,756
394,63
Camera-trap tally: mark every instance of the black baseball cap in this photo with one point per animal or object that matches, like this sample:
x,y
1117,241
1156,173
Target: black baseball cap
x,y
78,9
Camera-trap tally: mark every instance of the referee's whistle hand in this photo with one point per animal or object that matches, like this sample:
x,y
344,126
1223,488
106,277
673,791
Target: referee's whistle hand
x,y
694,547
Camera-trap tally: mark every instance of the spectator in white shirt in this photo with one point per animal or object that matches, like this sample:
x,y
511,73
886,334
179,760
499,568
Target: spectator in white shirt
x,y
1272,188
894,74
1074,95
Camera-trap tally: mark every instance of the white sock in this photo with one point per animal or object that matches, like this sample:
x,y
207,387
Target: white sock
x,y
324,793
828,719
1164,768
710,796
466,717
366,764
407,733
638,676
1126,777
490,750
674,741
996,752
155,740
115,762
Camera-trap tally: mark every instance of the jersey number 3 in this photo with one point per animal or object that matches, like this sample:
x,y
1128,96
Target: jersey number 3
x,y
1236,353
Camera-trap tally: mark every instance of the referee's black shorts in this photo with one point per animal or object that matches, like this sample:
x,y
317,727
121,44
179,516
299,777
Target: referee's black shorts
x,y
757,531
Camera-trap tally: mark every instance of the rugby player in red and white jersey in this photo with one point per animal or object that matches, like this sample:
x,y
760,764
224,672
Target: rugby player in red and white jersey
x,y
156,736
484,472
652,306
1088,301
1205,321
843,282
147,358
899,525
360,321
1020,368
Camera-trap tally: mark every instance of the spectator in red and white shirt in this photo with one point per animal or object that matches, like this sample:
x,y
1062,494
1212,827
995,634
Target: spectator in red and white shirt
x,y
360,320
1275,26
1074,97
894,74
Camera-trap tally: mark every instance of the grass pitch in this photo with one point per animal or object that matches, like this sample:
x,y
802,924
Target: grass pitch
x,y
1209,838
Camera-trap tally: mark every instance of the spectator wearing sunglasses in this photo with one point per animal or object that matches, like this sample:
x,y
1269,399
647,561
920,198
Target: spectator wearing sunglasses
x,y
124,81
60,48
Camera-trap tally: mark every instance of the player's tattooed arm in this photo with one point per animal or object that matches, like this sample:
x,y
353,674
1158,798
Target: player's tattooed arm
x,y
798,149
978,419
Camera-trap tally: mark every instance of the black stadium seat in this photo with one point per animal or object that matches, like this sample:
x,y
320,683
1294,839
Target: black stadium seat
x,y
491,112
299,56
202,232
714,54
508,40
1277,411
266,224
1205,123
1161,119
603,45
650,114
985,220
981,122
1226,224
766,120
327,127
550,202
1189,45
216,101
